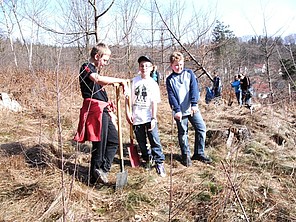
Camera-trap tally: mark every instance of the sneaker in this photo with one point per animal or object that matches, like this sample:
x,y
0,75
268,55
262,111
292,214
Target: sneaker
x,y
160,169
186,161
201,158
92,181
101,176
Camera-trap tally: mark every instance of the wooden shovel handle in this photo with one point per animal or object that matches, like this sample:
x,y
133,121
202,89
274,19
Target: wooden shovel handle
x,y
119,126
130,110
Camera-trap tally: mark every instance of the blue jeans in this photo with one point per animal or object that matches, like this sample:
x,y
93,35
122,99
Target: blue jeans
x,y
142,132
199,126
239,97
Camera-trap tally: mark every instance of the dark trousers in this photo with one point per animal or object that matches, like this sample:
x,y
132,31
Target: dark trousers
x,y
103,152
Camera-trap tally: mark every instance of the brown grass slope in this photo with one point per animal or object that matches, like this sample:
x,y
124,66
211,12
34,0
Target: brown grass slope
x,y
252,177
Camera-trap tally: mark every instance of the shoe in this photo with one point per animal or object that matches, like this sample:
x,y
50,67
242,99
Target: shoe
x,y
92,180
186,161
101,176
201,158
160,169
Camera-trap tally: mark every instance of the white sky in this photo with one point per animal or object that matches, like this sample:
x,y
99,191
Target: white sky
x,y
247,17
244,17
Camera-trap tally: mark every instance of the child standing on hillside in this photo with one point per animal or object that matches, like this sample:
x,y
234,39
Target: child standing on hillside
x,y
245,86
237,89
217,85
183,95
144,99
95,123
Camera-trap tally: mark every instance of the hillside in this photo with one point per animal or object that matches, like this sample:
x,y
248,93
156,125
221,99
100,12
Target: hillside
x,y
252,175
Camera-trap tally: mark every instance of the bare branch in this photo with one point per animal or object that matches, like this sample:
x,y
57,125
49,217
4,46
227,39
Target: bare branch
x,y
200,67
9,31
107,9
235,191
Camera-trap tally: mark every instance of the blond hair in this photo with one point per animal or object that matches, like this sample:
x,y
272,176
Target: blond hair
x,y
176,56
100,49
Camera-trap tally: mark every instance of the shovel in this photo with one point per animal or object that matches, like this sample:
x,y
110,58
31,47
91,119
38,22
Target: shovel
x,y
121,177
132,150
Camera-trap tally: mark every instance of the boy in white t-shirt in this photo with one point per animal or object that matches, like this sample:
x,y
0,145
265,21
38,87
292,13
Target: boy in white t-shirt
x,y
144,98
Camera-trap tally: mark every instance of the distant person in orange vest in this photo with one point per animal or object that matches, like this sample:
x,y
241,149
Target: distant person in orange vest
x,y
95,122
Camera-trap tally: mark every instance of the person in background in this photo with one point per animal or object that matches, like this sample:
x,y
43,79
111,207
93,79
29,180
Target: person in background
x,y
217,85
236,84
95,122
209,95
245,86
145,95
155,74
183,95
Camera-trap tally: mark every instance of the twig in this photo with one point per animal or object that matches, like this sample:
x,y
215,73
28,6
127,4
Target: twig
x,y
266,211
187,200
54,205
204,71
235,192
171,169
171,184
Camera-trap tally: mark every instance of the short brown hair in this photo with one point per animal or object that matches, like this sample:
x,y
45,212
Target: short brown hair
x,y
100,49
176,56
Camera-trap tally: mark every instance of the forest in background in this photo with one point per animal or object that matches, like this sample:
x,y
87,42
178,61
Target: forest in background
x,y
208,44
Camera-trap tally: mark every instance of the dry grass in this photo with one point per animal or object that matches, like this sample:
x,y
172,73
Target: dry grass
x,y
253,177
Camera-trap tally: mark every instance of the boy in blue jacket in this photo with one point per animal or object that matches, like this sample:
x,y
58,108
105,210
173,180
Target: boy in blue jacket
x,y
183,95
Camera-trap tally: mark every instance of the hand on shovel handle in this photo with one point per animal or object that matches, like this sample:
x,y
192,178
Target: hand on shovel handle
x,y
124,84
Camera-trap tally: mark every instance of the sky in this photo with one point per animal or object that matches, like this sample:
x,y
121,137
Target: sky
x,y
247,17
244,17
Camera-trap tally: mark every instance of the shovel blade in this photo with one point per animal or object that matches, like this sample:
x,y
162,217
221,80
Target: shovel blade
x,y
121,180
134,156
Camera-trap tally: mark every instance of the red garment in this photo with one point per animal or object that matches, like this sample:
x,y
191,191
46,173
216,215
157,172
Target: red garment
x,y
90,120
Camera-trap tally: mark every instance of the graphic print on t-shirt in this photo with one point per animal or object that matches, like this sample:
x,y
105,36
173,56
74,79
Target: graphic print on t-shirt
x,y
141,93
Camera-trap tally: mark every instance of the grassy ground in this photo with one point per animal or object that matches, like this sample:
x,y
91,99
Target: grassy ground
x,y
252,177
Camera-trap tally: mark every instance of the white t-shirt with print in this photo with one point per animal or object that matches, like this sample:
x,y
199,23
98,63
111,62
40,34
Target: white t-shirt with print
x,y
144,91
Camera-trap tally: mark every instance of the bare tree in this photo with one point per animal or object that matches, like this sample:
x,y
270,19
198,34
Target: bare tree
x,y
33,12
268,46
9,32
17,19
129,11
76,23
178,40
